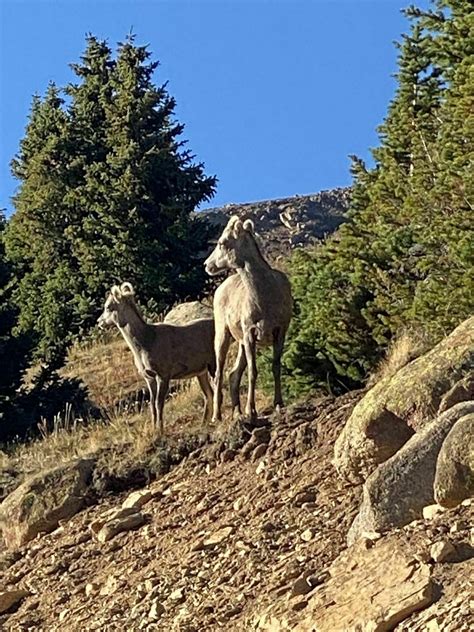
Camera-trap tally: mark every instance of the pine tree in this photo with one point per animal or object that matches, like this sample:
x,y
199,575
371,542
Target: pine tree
x,y
446,295
106,194
405,258
34,237
13,349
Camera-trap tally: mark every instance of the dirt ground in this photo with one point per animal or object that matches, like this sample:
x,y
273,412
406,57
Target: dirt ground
x,y
228,534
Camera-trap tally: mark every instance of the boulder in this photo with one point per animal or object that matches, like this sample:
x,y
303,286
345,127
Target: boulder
x,y
387,416
399,489
462,391
186,312
454,480
38,504
369,589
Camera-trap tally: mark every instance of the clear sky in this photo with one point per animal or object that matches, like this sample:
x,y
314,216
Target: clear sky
x,y
275,94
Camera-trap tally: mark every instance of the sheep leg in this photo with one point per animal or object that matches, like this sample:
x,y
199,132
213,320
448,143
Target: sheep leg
x,y
235,378
221,347
278,342
152,387
250,353
163,386
208,394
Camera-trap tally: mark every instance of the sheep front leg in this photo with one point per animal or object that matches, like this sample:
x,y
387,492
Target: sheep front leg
x,y
250,354
152,387
208,395
221,346
163,386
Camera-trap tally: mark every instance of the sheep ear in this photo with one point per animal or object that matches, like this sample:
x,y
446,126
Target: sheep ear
x,y
127,289
249,226
116,293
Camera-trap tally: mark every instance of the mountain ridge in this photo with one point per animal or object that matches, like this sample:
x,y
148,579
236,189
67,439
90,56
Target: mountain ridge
x,y
287,223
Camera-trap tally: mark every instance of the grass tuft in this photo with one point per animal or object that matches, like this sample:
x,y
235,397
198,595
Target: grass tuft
x,y
406,347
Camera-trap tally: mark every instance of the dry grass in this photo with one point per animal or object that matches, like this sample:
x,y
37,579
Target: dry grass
x,y
130,434
126,436
403,349
106,368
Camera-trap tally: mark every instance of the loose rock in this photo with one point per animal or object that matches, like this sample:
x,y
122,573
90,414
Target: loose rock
x,y
442,551
9,598
137,499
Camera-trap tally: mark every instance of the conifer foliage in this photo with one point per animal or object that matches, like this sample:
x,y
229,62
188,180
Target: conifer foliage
x,y
13,349
405,259
106,190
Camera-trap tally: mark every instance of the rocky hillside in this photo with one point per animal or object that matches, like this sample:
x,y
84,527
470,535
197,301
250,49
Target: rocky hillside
x,y
251,527
289,223
250,539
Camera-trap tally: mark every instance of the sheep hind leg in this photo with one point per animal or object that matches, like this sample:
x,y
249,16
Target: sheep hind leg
x,y
235,378
205,385
163,386
221,346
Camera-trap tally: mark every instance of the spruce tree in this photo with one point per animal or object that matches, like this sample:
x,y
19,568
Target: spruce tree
x,y
405,258
446,295
106,192
13,349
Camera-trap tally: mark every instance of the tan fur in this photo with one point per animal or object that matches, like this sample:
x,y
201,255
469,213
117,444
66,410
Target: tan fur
x,y
162,352
253,307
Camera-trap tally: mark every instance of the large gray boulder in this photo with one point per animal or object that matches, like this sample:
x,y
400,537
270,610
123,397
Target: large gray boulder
x,y
454,480
462,391
384,420
38,504
186,312
397,491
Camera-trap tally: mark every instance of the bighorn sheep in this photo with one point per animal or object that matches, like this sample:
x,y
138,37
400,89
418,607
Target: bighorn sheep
x,y
253,307
162,352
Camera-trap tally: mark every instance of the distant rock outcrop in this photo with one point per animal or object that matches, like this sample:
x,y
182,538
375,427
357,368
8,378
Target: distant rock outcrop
x,y
186,312
288,223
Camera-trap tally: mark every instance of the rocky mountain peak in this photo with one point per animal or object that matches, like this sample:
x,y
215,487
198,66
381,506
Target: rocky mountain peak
x,y
288,223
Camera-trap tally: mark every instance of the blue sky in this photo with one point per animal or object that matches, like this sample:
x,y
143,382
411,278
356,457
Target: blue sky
x,y
274,94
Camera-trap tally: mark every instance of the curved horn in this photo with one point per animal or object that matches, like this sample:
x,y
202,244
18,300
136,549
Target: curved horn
x,y
116,293
127,289
249,226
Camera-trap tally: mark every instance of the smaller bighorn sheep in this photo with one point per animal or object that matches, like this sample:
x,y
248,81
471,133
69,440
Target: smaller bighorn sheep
x,y
253,307
162,352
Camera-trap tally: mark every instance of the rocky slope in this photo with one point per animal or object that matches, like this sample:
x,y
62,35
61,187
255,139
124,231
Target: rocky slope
x,y
288,223
248,532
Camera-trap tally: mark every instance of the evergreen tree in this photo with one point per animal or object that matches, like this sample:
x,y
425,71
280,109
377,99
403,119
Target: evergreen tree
x,y
13,349
405,258
106,194
446,295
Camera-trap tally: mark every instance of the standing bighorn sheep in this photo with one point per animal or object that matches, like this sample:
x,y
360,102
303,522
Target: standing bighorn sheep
x,y
253,307
162,352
